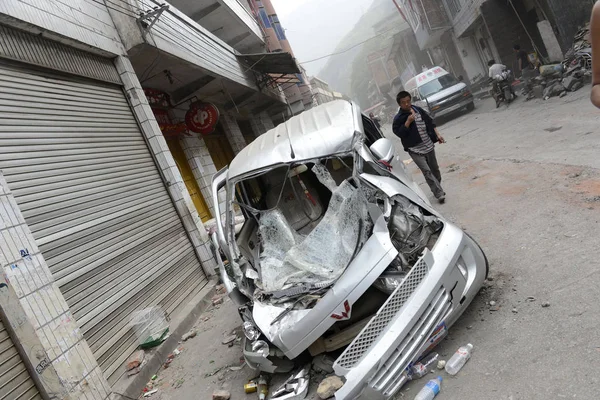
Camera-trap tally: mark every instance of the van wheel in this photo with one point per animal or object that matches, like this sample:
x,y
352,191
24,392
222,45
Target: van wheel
x,y
470,106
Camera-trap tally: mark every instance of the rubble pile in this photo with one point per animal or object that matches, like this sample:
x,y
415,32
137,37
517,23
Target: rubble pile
x,y
572,74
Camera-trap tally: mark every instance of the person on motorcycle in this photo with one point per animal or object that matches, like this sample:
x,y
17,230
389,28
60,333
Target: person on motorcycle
x,y
499,70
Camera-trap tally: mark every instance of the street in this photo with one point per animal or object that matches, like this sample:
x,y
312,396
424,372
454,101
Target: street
x,y
531,197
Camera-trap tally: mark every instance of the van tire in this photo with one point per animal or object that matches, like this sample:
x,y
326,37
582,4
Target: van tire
x,y
470,106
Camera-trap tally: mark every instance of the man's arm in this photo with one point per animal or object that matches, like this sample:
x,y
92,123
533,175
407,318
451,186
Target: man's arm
x,y
399,127
595,35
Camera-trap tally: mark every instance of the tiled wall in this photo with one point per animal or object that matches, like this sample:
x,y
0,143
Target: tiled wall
x,y
165,161
63,344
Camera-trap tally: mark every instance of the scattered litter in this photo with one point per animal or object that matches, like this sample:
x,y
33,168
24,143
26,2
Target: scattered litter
x,y
150,326
177,352
205,319
475,177
216,371
495,308
492,303
430,390
545,304
263,387
453,168
515,311
295,387
441,364
189,335
459,359
221,395
530,299
423,367
154,377
150,393
229,339
251,387
329,386
469,327
237,367
490,278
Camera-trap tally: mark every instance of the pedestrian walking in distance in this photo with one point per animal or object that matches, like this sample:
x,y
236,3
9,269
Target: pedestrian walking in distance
x,y
418,133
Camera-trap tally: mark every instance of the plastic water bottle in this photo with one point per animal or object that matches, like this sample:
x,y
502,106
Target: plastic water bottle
x,y
430,390
459,359
423,367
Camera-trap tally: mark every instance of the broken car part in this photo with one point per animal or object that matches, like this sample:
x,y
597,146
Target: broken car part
x,y
295,387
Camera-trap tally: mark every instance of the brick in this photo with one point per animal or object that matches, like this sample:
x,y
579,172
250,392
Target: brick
x,y
135,360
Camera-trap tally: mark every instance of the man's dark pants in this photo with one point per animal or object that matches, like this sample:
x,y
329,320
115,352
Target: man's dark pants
x,y
428,165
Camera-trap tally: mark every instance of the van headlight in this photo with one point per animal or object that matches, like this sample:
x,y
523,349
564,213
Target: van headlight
x,y
250,331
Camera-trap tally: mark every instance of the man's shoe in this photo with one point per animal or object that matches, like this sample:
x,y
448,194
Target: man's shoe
x,y
442,199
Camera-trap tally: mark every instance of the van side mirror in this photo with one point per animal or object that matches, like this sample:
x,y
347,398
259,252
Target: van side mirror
x,y
383,149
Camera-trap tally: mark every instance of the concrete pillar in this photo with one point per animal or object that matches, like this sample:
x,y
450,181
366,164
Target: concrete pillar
x,y
166,164
202,166
233,132
257,126
550,41
39,316
266,121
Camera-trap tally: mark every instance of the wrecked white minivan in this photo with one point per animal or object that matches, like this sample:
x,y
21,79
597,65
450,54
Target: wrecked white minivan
x,y
340,253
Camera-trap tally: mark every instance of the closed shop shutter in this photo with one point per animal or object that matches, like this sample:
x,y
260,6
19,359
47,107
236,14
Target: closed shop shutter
x,y
89,189
15,381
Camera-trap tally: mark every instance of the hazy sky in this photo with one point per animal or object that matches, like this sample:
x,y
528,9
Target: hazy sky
x,y
315,27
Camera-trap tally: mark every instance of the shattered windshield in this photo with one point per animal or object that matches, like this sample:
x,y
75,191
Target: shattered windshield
x,y
310,220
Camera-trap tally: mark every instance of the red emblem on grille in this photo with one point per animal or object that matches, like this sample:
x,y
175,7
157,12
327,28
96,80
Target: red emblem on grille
x,y
345,314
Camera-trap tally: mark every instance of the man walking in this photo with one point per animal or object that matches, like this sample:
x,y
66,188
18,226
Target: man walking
x,y
418,133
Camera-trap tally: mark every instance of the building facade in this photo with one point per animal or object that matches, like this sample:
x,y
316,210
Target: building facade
x,y
115,117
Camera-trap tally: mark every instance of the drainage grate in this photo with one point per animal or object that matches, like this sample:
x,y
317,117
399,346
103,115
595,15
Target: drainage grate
x,y
380,321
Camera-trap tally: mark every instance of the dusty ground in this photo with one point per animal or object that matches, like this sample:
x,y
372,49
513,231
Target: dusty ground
x,y
524,181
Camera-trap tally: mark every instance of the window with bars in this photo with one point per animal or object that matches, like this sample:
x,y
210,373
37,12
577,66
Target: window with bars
x,y
453,6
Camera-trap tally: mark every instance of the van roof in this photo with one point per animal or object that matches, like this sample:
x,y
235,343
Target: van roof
x,y
430,75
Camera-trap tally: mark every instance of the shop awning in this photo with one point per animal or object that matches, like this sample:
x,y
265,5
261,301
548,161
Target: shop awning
x,y
271,63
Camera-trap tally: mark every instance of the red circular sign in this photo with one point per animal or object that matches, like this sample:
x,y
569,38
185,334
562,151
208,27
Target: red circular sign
x,y
202,117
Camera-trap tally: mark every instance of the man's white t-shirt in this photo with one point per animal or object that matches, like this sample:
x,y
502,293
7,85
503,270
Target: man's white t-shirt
x,y
496,69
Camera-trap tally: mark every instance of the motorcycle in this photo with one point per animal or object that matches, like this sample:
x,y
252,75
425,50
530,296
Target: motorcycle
x,y
502,88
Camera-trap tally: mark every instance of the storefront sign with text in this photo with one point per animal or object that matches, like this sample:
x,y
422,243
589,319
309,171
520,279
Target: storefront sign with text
x,y
202,117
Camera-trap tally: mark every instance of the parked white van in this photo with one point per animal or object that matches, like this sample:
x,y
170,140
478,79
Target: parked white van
x,y
440,92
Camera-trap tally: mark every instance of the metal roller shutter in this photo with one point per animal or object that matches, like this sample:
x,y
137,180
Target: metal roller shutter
x,y
15,381
81,172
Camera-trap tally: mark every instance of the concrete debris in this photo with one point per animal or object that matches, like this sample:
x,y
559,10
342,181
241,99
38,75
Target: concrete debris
x,y
189,335
220,289
329,386
135,360
494,308
221,395
515,311
217,300
492,303
441,364
323,363
237,367
545,304
229,339
150,393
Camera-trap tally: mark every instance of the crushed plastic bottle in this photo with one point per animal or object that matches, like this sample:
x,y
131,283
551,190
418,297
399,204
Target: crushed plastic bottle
x,y
459,359
430,390
423,367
